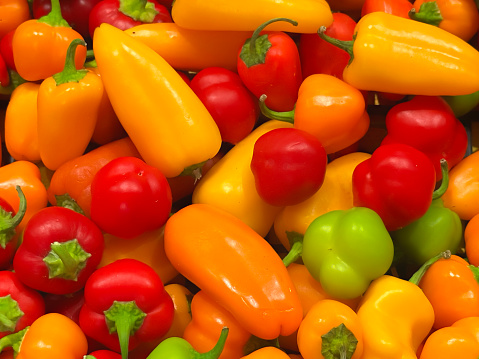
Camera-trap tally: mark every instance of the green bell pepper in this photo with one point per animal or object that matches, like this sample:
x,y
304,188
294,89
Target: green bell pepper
x,y
346,249
179,348
462,104
439,229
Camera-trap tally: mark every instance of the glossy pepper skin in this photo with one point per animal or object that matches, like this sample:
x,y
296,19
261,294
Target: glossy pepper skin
x,y
438,62
397,182
394,7
267,353
471,240
125,304
208,256
428,124
177,131
14,13
60,249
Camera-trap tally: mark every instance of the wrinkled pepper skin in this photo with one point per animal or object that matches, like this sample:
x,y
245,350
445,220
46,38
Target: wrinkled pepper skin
x,y
236,267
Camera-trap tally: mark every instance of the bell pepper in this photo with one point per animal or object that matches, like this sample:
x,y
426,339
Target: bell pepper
x,y
67,304
60,249
341,107
181,297
386,333
394,7
463,187
208,317
125,304
176,132
202,243
6,50
102,354
124,14
462,104
69,102
428,124
267,353
176,347
20,305
147,248
247,16
439,229
269,64
191,50
14,13
321,57
26,175
335,193
74,177
345,250
438,62
21,137
40,45
471,240
332,329
460,18
230,184
398,182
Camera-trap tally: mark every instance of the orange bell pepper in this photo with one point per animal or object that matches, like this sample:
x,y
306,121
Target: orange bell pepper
x,y
68,104
26,175
331,328
207,317
21,137
463,188
471,240
340,106
452,289
40,45
12,14
234,265
191,50
75,176
459,17
267,353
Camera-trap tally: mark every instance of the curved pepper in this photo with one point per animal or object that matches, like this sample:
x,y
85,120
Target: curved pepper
x,y
248,15
236,267
438,62
230,184
176,131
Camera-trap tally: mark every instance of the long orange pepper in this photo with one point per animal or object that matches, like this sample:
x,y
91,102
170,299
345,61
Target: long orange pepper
x,y
236,267
75,176
191,50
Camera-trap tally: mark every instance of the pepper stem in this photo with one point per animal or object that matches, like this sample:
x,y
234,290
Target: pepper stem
x,y
10,313
416,277
9,223
217,349
54,17
66,259
286,116
138,10
13,341
429,13
338,343
342,44
65,200
70,72
445,181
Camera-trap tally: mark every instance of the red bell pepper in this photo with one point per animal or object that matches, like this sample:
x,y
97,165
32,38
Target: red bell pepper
x,y
319,56
59,251
20,305
125,14
229,102
397,182
6,50
269,64
428,124
103,354
394,7
126,304
4,76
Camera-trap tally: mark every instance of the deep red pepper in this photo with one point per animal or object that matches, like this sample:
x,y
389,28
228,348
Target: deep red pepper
x,y
229,102
59,250
397,182
270,64
4,76
428,124
394,7
319,56
75,12
126,304
20,305
125,14
6,50
103,354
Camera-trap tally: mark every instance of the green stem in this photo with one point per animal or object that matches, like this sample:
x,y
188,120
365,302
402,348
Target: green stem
x,y
429,13
338,343
286,116
66,259
139,10
342,44
66,201
8,224
416,277
54,17
70,72
294,253
217,349
445,181
13,341
256,33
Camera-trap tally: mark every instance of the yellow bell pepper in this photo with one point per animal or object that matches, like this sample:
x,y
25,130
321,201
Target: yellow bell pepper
x,y
167,122
335,193
396,317
247,15
399,55
230,184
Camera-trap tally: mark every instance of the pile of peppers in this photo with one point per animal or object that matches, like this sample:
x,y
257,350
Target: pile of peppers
x,y
264,179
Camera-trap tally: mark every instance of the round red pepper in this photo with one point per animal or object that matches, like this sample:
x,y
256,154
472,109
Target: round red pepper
x,y
6,50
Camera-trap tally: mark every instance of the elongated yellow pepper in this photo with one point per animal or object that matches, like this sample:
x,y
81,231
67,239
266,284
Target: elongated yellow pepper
x,y
167,122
